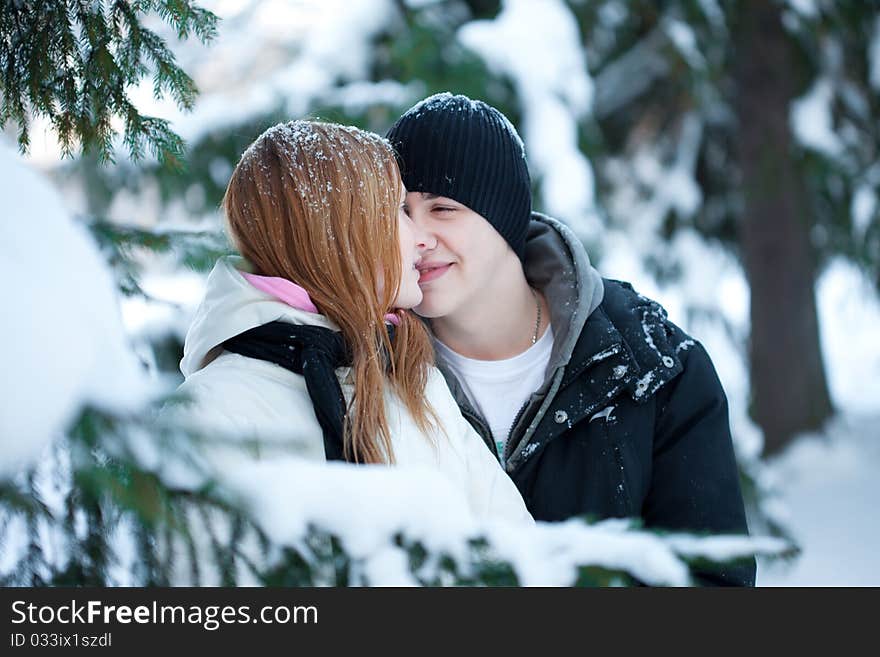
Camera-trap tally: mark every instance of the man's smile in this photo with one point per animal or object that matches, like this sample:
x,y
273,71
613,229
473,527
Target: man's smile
x,y
429,271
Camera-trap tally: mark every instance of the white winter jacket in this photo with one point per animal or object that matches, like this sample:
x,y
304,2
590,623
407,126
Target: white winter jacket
x,y
238,397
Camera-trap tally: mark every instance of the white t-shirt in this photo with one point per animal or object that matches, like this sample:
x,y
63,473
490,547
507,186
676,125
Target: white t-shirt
x,y
499,388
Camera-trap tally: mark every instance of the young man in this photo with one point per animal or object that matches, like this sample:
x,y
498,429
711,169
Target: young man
x,y
593,401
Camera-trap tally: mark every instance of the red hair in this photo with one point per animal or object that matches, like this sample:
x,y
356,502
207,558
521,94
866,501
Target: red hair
x,y
317,204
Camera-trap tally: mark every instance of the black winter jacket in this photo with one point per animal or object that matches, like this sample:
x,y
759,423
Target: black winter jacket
x,y
636,426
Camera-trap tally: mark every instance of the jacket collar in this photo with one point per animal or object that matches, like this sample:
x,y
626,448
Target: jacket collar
x,y
232,305
557,264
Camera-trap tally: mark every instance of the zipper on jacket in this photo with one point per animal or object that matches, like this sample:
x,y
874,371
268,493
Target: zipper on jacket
x,y
543,407
513,425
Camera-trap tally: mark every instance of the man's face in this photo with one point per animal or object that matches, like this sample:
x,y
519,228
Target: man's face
x,y
466,254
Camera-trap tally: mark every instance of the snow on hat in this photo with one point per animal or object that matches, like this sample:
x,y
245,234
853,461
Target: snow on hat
x,y
468,151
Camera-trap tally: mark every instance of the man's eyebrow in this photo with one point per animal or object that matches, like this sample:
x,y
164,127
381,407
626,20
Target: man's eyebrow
x,y
428,196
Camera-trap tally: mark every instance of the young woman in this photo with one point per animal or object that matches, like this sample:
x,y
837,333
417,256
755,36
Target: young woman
x,y
308,339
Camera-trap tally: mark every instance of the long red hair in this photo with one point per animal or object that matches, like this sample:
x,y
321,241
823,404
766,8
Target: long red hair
x,y
317,204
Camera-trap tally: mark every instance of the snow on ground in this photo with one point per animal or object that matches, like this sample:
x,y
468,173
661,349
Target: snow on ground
x,y
829,492
827,483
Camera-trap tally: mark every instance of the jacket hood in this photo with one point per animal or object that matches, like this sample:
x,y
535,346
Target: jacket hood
x,y
557,264
231,306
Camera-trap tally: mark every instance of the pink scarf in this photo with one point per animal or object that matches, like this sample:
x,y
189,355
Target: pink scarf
x,y
293,294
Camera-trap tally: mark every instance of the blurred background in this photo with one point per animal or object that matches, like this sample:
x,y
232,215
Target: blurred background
x,y
723,156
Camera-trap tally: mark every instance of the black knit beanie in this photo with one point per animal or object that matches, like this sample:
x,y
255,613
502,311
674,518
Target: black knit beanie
x,y
468,151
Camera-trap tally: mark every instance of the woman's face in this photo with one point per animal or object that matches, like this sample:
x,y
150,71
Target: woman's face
x,y
413,242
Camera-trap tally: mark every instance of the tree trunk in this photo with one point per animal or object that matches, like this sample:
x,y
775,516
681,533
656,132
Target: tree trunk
x,y
789,388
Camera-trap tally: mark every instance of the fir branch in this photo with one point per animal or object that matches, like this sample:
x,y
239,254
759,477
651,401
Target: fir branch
x,y
193,249
110,489
72,62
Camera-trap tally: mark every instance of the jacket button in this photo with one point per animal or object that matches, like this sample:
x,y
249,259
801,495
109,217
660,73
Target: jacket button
x,y
641,386
619,372
560,417
667,360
